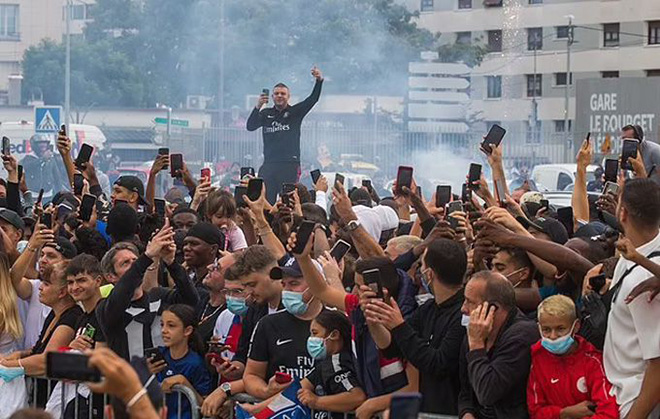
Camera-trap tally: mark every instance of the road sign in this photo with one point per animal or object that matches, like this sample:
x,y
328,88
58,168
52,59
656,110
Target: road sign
x,y
47,119
176,122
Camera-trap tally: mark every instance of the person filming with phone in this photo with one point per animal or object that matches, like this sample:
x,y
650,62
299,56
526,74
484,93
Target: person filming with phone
x,y
281,133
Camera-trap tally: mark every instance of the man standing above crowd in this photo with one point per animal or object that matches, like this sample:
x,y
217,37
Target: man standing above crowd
x,y
281,134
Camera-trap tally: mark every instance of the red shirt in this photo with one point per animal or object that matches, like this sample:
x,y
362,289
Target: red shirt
x,y
556,382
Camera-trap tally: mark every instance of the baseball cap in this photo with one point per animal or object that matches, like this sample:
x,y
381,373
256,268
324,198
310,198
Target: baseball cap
x,y
12,218
133,184
290,269
63,246
549,226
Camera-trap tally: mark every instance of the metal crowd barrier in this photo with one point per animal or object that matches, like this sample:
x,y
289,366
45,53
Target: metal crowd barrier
x,y
83,407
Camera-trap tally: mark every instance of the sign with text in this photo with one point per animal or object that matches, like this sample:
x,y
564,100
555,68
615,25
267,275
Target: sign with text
x,y
604,106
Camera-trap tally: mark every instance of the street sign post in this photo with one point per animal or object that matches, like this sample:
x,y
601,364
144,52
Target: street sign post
x,y
47,119
176,122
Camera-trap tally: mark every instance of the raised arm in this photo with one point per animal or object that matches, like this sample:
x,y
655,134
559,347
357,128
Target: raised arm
x,y
64,147
27,259
264,231
579,199
255,120
307,104
365,245
159,164
497,167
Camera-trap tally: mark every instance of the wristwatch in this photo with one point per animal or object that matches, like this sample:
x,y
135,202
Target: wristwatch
x,y
352,225
226,387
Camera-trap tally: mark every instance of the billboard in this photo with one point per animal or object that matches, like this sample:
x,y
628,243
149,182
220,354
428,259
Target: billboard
x,y
604,106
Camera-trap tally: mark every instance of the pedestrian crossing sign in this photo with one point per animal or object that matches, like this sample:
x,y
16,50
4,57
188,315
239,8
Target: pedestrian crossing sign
x,y
47,119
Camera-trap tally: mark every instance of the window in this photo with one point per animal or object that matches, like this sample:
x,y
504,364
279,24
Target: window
x,y
464,38
426,6
9,21
534,39
560,79
559,125
611,35
533,132
535,1
493,3
610,74
464,4
534,88
561,32
495,41
563,181
494,86
654,32
652,73
78,12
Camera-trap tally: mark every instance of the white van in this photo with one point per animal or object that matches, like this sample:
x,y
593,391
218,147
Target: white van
x,y
558,177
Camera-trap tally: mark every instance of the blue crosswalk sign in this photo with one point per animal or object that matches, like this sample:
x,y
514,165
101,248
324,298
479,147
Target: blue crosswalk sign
x,y
47,119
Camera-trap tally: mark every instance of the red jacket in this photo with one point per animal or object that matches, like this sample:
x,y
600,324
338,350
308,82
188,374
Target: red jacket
x,y
556,382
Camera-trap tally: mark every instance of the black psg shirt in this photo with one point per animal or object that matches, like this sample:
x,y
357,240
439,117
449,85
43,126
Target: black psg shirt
x,y
281,128
280,339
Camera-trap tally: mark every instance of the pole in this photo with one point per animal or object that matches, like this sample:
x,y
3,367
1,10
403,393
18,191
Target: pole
x,y
169,125
67,66
534,118
221,84
569,43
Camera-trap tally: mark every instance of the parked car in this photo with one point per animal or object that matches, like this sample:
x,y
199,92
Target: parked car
x,y
558,177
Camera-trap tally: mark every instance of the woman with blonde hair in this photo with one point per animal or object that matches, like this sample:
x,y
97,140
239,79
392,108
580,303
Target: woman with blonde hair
x,y
11,328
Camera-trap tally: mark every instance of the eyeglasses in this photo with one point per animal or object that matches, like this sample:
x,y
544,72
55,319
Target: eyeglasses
x,y
233,292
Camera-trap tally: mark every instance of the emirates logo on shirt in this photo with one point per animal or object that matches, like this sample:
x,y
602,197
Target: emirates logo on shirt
x,y
276,127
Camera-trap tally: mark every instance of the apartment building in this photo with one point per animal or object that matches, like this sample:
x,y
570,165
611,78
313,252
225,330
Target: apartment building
x,y
24,23
527,62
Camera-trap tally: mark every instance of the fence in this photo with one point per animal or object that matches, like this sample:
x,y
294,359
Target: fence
x,y
386,148
79,407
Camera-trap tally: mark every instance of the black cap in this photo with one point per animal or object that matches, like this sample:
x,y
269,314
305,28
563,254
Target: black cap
x,y
593,229
291,269
12,218
549,226
133,184
208,233
64,246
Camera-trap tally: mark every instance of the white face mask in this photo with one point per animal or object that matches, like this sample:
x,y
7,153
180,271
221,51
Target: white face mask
x,y
465,320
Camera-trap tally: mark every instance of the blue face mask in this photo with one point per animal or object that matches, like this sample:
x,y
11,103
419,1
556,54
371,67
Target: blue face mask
x,y
560,345
316,347
237,306
9,374
293,302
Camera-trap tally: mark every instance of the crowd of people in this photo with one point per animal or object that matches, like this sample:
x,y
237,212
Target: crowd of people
x,y
488,306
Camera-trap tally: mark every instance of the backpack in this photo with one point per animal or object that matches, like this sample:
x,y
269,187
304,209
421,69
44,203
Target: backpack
x,y
596,308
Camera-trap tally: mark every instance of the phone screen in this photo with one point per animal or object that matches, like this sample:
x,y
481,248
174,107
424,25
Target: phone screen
x,y
501,193
47,220
20,172
339,250
176,163
87,206
454,206
84,155
629,150
611,170
304,232
316,174
41,196
239,194
5,146
597,282
78,184
442,195
372,279
466,193
404,178
474,175
255,185
265,92
159,205
205,173
339,178
611,187
494,137
70,366
247,171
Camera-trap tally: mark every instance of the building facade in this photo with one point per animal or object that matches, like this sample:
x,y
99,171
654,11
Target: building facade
x,y
527,60
24,23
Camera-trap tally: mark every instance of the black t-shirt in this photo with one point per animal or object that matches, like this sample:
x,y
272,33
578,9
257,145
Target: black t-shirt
x,y
280,339
207,316
90,319
68,318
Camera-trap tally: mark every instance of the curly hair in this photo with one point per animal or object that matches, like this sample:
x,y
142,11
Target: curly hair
x,y
91,242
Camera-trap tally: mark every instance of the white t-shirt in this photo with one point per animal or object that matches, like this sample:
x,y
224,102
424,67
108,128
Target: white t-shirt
x,y
633,335
33,314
